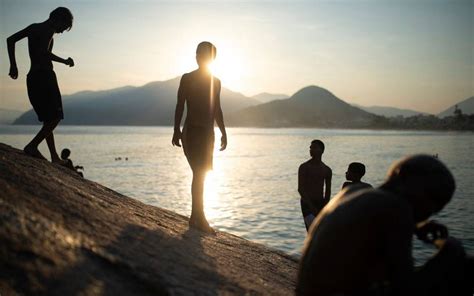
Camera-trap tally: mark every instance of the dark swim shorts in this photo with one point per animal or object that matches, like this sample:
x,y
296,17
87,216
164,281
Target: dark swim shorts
x,y
198,146
44,94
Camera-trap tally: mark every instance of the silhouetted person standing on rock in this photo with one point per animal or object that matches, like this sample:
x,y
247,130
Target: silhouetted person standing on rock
x,y
200,90
314,183
361,243
43,90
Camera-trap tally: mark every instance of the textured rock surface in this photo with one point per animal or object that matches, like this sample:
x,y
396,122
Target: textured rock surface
x,y
63,235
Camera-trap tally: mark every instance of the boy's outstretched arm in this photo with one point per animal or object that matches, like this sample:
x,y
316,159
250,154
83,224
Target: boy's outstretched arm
x,y
11,49
68,61
327,187
220,118
55,58
178,113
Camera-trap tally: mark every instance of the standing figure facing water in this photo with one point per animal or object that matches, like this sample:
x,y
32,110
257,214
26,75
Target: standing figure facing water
x,y
42,84
200,90
314,183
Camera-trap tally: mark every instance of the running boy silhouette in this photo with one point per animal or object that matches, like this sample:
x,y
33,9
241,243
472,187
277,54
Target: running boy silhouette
x,y
41,82
200,90
314,183
354,174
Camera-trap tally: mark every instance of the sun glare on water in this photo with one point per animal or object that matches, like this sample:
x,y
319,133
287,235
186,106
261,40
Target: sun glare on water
x,y
212,190
211,199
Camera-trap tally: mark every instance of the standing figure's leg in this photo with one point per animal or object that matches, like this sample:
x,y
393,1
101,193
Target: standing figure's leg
x,y
198,218
32,147
52,149
51,145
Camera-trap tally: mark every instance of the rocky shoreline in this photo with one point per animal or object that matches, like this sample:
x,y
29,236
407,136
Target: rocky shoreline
x,y
64,235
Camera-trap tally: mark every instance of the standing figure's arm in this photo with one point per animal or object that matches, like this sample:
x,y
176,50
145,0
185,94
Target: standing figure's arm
x,y
327,187
178,114
11,49
55,58
303,190
220,117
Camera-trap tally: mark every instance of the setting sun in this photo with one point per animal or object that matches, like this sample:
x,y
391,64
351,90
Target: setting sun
x,y
228,68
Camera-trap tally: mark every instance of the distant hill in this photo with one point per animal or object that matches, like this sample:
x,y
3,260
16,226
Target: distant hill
x,y
267,97
8,116
151,104
466,106
311,106
389,111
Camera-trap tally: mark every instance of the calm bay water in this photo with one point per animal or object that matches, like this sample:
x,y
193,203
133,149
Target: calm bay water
x,y
252,191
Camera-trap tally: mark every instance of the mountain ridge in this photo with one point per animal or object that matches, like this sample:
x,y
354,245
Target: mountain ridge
x,y
150,104
311,106
466,106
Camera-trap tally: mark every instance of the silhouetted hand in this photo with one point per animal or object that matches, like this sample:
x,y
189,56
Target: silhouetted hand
x,y
70,62
431,231
176,137
13,72
223,142
452,246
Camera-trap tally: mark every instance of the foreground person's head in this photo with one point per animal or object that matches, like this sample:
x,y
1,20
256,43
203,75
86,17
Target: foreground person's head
x,y
425,181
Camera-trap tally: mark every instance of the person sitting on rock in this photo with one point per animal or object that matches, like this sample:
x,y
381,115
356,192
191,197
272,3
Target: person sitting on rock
x,y
354,174
65,153
361,243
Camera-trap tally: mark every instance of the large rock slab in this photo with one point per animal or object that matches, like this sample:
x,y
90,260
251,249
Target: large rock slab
x,y
64,235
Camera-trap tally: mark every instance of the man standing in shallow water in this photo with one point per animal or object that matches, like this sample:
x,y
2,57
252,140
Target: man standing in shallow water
x,y
42,84
314,183
200,90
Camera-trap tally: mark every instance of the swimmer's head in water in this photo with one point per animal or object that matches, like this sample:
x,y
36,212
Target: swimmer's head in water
x,y
205,53
426,180
355,171
65,153
316,148
62,19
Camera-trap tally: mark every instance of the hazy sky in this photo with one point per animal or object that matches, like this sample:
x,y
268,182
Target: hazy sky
x,y
409,54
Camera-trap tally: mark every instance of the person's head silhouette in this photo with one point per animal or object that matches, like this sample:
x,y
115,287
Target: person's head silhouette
x,y
205,54
61,19
355,171
65,153
424,181
317,148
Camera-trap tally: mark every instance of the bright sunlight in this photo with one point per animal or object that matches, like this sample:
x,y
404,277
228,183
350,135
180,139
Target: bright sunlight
x,y
229,65
228,68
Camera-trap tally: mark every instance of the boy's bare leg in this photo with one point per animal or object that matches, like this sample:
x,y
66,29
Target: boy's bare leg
x,y
32,147
52,149
198,218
